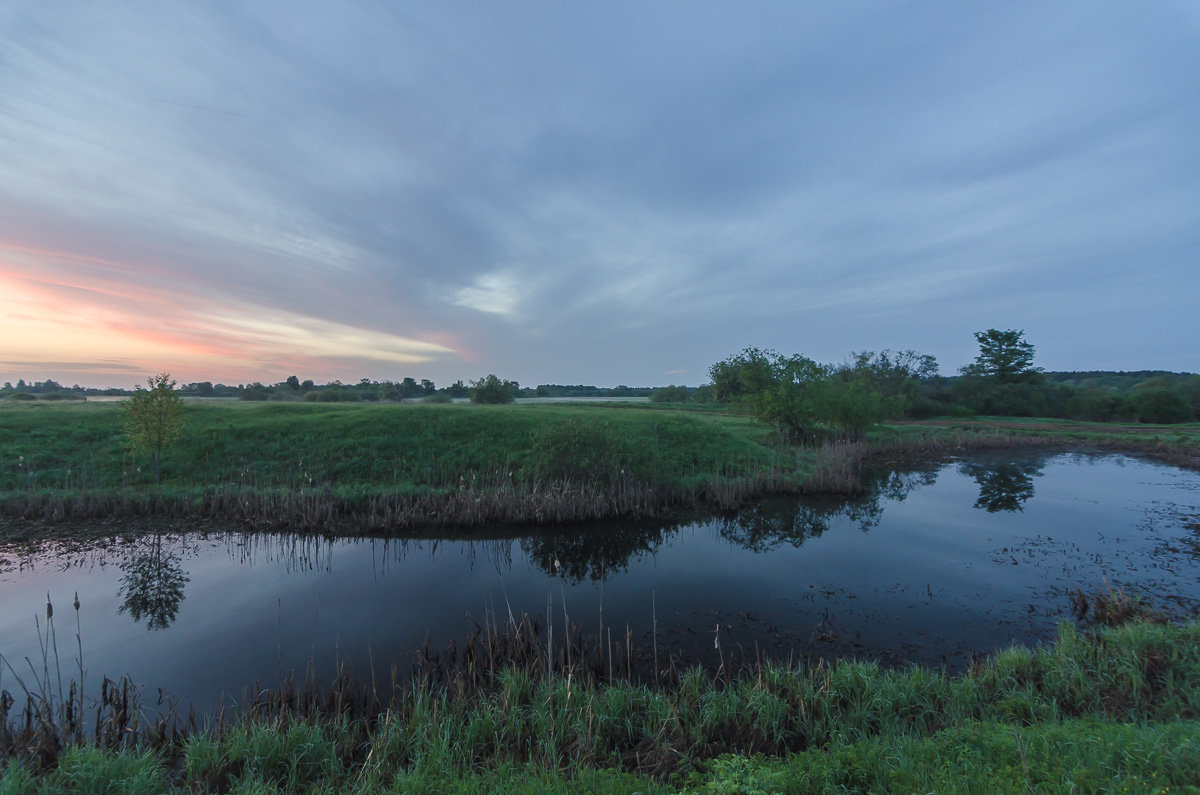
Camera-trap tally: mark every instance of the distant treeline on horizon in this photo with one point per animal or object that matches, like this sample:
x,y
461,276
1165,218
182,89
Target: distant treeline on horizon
x,y
292,387
1156,396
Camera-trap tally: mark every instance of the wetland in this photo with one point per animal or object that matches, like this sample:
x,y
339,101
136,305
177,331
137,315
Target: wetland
x,y
937,563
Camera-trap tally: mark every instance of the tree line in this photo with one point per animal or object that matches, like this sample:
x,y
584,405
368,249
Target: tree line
x,y
808,400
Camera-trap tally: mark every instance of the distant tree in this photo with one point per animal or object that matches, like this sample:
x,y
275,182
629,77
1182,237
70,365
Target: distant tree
x,y
427,387
293,383
307,385
670,394
492,389
1161,406
1004,355
409,389
255,391
458,390
750,372
154,419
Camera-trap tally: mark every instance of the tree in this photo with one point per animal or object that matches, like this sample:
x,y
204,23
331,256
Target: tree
x,y
154,419
1004,355
492,389
409,388
786,391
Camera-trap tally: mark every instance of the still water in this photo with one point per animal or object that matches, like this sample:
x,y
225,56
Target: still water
x,y
952,558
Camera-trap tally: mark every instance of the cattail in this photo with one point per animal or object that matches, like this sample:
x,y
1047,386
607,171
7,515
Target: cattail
x,y
77,601
49,608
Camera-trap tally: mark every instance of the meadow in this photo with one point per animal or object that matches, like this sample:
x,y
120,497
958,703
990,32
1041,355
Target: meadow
x,y
1103,707
387,468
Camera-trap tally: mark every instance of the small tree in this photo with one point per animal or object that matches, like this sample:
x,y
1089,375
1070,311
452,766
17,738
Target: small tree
x,y
492,389
154,419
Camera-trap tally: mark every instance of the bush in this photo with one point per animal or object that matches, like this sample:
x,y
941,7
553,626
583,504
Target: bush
x,y
491,389
670,394
1162,406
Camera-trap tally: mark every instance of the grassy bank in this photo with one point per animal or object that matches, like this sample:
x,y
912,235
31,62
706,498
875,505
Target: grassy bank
x,y
340,468
1105,709
395,468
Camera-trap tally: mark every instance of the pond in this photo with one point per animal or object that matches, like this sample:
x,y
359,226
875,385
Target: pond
x,y
938,563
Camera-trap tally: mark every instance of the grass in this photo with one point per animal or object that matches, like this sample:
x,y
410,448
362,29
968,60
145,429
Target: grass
x,y
339,469
385,467
1101,709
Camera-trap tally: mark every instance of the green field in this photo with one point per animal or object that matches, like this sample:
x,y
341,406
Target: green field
x,y
294,464
338,468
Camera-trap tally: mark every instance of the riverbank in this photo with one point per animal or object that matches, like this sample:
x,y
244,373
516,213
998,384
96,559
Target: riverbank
x,y
357,469
1100,708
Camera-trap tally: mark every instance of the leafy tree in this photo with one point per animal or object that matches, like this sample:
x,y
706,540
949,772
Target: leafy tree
x,y
409,389
1004,355
786,391
293,383
154,419
853,402
492,389
751,372
427,387
458,390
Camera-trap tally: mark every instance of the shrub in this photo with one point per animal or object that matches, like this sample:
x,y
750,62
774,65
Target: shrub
x,y
1162,406
492,389
670,394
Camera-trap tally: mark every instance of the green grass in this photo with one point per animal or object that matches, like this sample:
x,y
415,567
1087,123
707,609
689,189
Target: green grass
x,y
334,467
1104,710
63,461
59,446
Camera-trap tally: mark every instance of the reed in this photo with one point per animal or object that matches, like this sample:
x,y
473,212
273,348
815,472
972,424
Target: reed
x,y
514,696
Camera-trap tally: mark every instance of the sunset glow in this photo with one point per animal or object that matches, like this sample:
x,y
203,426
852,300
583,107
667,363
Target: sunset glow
x,y
590,193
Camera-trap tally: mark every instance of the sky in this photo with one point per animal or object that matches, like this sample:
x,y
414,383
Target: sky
x,y
599,193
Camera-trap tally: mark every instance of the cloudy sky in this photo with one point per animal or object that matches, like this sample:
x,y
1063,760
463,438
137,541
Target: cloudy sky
x,y
569,192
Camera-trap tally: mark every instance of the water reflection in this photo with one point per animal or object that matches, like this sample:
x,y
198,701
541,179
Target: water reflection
x,y
152,585
772,523
1003,486
893,574
596,553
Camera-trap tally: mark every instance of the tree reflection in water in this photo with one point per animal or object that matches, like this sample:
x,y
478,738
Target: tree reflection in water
x,y
1003,486
595,553
771,523
153,585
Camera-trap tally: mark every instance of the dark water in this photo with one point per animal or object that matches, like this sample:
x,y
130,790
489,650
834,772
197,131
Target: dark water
x,y
953,558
